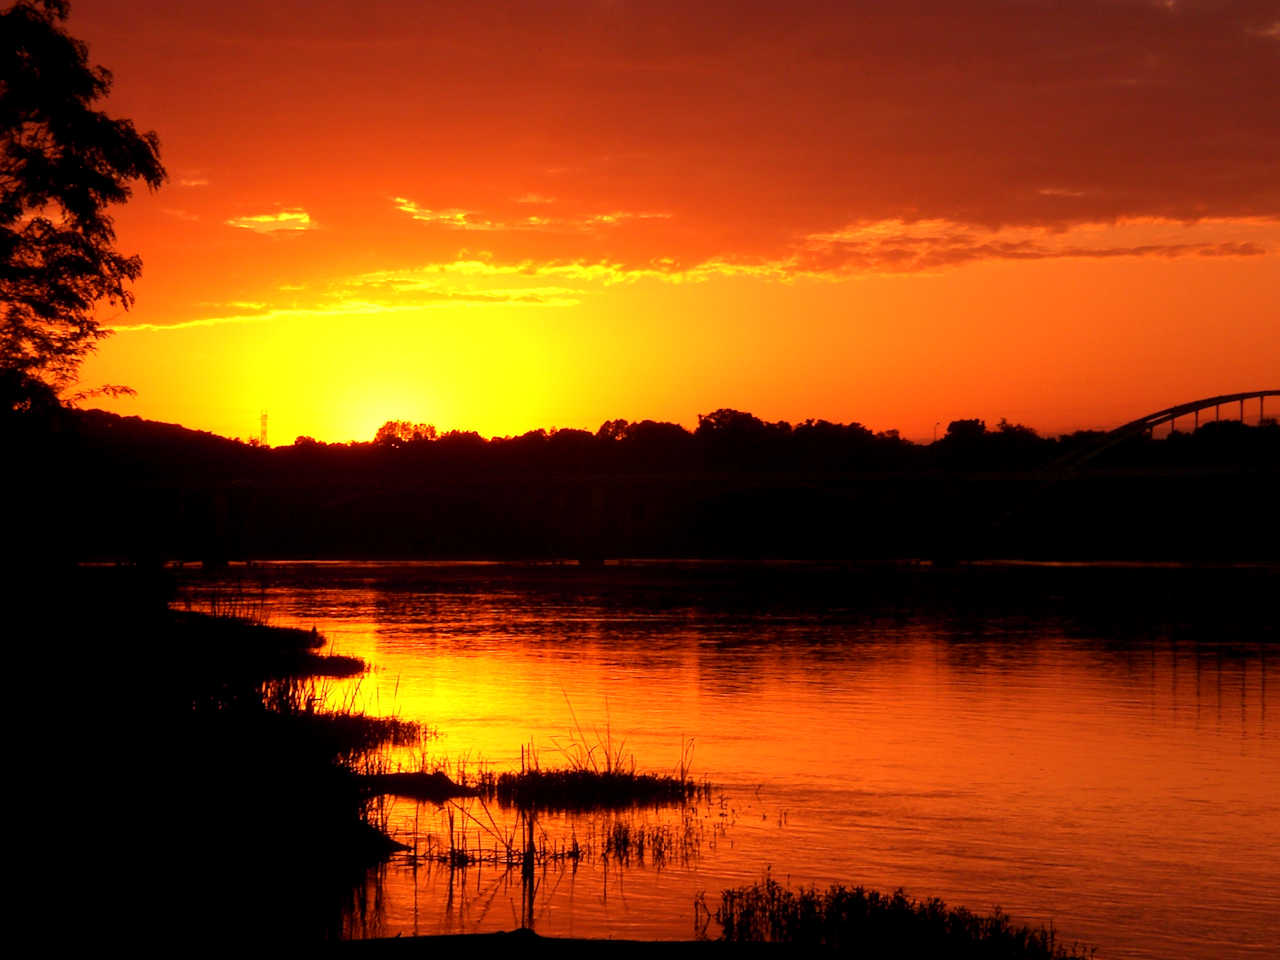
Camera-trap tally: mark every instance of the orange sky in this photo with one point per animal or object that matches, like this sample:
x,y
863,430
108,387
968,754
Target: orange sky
x,y
514,216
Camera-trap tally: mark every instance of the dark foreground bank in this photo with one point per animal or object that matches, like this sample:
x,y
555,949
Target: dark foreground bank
x,y
202,789
526,943
767,919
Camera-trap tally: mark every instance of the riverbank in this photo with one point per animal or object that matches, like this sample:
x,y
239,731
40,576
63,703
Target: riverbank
x,y
204,786
274,774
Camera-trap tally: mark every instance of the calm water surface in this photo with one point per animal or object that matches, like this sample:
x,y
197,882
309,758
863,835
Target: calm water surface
x,y
1121,782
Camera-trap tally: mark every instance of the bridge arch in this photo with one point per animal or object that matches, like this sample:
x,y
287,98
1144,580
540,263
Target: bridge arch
x,y
1170,414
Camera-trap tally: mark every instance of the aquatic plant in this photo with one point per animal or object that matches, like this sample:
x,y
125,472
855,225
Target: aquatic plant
x,y
479,839
336,729
875,924
599,776
626,841
570,790
238,603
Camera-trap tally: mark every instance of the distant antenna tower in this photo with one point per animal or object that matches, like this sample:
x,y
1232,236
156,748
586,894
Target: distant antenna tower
x,y
262,429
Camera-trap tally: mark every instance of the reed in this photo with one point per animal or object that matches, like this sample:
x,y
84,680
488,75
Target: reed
x,y
474,839
626,842
875,924
599,775
239,603
337,730
583,790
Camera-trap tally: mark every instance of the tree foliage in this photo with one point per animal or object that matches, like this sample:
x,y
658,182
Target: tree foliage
x,y
398,433
63,164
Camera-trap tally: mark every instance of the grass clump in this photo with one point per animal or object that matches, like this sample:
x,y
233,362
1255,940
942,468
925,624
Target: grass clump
x,y
582,790
597,777
874,924
597,774
625,842
336,732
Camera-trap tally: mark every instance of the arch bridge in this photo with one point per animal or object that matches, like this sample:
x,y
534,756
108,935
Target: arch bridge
x,y
1169,415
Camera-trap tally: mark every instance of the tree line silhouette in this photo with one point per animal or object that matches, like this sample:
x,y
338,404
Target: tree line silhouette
x,y
738,440
733,487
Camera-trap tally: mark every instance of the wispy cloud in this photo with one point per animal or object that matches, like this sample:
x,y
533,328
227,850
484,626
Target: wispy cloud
x,y
369,297
621,216
456,218
452,217
189,324
286,221
897,246
578,277
886,247
879,247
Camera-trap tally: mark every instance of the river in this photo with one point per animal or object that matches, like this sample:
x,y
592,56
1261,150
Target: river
x,y
1107,766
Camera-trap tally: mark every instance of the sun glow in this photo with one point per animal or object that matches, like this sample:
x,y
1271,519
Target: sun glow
x,y
455,366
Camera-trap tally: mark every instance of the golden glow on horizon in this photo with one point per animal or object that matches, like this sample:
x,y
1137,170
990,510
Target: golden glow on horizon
x,y
503,368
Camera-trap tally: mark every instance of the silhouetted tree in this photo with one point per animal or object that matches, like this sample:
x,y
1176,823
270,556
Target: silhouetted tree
x,y
462,440
962,430
62,165
1018,445
397,433
729,422
612,430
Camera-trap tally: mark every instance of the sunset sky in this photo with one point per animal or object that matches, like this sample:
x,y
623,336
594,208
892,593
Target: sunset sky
x,y
509,216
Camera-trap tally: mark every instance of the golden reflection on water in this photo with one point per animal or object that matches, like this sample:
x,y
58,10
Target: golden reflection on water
x,y
1127,792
